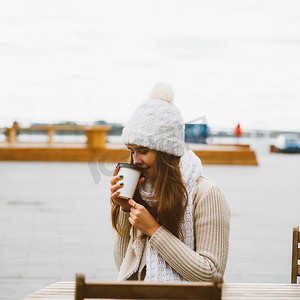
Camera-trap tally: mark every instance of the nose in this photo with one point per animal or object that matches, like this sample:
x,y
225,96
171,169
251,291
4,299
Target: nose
x,y
136,160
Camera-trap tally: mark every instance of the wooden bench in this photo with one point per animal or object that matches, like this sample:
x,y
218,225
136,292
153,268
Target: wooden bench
x,y
142,290
230,291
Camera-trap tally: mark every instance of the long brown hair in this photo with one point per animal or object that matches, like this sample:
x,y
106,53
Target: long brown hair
x,y
170,192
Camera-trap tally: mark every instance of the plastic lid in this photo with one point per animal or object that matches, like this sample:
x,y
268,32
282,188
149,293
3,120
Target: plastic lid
x,y
131,166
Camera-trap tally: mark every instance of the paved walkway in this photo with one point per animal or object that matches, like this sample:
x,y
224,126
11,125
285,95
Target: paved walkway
x,y
55,221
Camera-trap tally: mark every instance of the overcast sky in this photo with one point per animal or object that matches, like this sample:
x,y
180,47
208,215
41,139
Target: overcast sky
x,y
230,61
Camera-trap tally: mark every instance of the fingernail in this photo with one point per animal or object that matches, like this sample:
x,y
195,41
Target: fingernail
x,y
121,176
121,183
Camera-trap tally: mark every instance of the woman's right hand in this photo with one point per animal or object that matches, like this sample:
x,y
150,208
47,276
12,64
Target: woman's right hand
x,y
115,186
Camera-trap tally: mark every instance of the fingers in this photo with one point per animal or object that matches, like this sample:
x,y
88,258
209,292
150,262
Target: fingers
x,y
116,171
131,221
140,218
132,217
115,175
134,204
115,179
119,201
115,187
114,196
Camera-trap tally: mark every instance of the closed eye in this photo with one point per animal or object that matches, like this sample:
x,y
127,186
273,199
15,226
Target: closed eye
x,y
144,152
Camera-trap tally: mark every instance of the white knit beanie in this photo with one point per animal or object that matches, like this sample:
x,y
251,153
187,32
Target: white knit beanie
x,y
157,123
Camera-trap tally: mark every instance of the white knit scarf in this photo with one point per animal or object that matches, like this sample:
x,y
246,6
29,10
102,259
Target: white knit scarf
x,y
157,269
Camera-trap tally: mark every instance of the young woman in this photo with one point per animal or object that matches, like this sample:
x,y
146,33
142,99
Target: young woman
x,y
176,227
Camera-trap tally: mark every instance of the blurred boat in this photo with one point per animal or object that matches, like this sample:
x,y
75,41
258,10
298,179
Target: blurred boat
x,y
287,143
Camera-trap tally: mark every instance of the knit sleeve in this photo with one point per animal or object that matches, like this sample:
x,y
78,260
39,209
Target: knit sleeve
x,y
211,230
121,242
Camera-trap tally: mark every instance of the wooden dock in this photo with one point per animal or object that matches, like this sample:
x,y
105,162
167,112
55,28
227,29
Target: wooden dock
x,y
223,154
80,152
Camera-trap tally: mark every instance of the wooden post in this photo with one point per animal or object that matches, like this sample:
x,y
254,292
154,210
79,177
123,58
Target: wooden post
x,y
79,288
295,254
12,133
96,136
50,133
217,289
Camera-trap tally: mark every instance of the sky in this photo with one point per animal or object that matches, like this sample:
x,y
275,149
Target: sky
x,y
229,61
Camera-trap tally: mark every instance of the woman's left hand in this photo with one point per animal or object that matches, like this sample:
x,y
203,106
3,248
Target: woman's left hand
x,y
141,219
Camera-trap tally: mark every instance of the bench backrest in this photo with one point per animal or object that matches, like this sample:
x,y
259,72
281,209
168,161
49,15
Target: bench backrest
x,y
142,290
295,254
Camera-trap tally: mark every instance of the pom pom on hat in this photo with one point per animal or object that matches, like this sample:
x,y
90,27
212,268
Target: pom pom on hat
x,y
157,123
162,91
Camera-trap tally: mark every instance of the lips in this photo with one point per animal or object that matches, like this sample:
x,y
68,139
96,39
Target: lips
x,y
145,169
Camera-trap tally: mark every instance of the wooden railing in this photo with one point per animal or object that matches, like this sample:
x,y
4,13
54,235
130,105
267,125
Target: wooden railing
x,y
96,135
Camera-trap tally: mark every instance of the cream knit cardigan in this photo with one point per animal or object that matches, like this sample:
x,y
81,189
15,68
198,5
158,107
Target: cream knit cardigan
x,y
211,214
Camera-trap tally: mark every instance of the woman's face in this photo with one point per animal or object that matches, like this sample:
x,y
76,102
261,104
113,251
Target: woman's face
x,y
144,158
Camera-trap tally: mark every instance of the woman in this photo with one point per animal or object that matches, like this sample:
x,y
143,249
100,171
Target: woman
x,y
176,227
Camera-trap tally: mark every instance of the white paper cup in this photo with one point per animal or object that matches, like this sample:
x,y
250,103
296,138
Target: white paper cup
x,y
131,175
